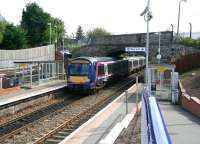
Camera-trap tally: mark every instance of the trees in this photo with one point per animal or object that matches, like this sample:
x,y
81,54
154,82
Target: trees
x,y
35,23
14,38
2,29
79,33
97,32
33,30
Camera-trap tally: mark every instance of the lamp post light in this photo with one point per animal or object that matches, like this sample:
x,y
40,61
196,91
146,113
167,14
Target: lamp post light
x,y
49,33
159,55
172,31
190,29
56,35
147,17
179,16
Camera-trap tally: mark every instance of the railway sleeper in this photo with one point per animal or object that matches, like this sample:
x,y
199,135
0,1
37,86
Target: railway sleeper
x,y
52,141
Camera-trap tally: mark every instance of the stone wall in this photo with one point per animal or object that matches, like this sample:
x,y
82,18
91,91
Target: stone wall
x,y
134,39
115,44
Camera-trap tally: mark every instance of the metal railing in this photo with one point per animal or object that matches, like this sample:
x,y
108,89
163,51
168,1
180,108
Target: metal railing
x,y
153,128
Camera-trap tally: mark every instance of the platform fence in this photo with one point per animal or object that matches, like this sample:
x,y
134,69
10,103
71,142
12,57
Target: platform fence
x,y
28,75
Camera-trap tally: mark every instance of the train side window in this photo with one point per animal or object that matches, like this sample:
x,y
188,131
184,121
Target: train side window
x,y
101,70
110,68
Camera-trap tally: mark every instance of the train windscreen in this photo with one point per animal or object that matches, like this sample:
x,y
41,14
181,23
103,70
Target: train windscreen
x,y
79,69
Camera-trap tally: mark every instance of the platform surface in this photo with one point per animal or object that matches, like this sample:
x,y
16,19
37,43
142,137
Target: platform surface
x,y
183,127
97,128
27,93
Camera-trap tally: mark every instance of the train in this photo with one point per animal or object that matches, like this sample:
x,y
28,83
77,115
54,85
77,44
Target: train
x,y
92,73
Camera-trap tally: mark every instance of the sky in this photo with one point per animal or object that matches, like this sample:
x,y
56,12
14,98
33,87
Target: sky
x,y
116,16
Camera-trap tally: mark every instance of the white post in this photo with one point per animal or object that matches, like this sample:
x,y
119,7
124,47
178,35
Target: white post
x,y
31,75
49,33
159,47
126,96
137,92
39,74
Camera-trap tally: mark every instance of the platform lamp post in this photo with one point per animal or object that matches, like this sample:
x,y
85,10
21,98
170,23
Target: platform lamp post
x,y
56,35
190,29
147,17
49,33
179,16
172,31
159,55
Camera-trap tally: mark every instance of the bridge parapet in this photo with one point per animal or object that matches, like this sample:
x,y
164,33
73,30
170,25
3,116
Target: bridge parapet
x,y
133,39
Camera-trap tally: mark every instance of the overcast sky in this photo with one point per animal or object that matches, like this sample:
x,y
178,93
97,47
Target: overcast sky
x,y
116,16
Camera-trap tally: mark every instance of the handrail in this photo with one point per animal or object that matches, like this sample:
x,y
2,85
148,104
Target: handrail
x,y
154,130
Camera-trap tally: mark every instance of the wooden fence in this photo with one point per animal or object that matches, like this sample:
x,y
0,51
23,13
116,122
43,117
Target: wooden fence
x,y
188,62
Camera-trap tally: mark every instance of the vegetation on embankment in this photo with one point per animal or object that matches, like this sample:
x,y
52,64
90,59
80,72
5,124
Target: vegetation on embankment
x,y
190,42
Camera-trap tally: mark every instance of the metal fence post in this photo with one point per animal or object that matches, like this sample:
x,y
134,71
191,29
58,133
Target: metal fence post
x,y
137,92
39,73
31,75
126,95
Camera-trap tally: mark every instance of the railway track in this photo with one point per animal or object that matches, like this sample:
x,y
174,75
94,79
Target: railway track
x,y
63,130
66,124
16,125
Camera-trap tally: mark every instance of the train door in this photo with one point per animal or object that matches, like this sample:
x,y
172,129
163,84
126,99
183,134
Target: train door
x,y
101,74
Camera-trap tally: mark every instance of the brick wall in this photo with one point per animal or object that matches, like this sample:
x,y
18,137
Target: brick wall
x,y
191,104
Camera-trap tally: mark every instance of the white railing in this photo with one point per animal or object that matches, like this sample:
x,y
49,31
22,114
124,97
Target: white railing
x,y
153,128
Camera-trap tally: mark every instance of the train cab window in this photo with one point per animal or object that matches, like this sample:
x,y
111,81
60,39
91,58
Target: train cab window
x,y
101,70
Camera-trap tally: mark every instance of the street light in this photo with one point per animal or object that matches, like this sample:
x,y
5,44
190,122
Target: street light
x,y
179,16
49,33
147,17
56,35
190,29
159,55
172,31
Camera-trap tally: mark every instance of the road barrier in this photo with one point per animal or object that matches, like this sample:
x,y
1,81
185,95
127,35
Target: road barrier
x,y
153,128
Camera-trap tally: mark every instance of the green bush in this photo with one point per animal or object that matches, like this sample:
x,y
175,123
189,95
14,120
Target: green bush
x,y
190,42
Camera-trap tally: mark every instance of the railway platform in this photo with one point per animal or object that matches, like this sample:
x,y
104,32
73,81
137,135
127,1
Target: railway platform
x,y
22,94
183,127
114,117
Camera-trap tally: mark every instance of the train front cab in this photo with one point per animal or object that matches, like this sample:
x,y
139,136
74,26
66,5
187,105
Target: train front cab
x,y
81,75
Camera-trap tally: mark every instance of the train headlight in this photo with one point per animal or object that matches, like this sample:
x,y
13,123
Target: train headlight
x,y
87,80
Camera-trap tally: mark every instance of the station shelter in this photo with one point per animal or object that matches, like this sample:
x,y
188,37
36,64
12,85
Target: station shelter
x,y
33,73
163,82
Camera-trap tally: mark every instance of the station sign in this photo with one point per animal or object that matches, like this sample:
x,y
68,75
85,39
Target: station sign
x,y
135,49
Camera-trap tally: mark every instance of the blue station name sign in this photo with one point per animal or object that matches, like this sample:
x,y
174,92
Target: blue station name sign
x,y
135,49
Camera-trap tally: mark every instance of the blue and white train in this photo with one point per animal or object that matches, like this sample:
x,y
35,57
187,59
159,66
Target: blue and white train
x,y
91,73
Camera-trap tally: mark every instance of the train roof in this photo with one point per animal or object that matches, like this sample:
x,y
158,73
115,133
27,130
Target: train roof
x,y
94,59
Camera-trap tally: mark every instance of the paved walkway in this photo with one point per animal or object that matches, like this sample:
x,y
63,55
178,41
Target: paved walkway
x,y
26,93
183,127
98,127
